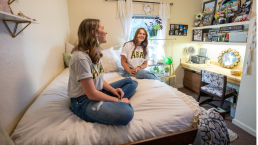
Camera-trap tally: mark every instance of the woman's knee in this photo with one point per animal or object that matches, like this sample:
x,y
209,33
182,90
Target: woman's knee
x,y
124,115
141,74
133,83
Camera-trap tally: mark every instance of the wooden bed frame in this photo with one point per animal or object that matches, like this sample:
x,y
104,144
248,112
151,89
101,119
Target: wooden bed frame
x,y
179,138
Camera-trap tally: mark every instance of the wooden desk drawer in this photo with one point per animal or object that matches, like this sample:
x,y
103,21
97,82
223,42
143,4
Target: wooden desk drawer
x,y
192,76
191,85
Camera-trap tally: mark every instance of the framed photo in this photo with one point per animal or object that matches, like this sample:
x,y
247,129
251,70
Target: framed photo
x,y
197,35
181,27
171,32
235,4
178,29
176,32
215,39
172,27
206,37
185,32
212,33
210,6
176,26
207,19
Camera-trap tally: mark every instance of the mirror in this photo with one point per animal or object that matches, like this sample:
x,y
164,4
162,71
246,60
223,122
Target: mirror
x,y
229,58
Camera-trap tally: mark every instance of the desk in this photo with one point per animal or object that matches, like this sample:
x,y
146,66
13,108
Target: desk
x,y
213,68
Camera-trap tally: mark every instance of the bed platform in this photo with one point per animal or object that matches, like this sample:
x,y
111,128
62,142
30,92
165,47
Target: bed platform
x,y
162,115
181,138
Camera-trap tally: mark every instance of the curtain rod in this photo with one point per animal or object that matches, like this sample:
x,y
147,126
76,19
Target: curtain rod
x,y
142,2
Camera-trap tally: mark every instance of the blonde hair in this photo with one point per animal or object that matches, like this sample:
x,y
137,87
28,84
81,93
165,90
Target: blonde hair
x,y
87,42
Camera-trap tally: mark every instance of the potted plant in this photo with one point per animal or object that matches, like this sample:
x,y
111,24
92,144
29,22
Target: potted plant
x,y
166,73
159,73
154,26
156,70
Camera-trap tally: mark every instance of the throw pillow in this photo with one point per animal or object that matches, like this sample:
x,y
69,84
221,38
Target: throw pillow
x,y
67,57
68,47
110,61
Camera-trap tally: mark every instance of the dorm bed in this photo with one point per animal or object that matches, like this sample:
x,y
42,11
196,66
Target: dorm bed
x,y
159,110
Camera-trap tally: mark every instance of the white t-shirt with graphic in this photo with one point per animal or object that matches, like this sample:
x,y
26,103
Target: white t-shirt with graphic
x,y
81,67
134,58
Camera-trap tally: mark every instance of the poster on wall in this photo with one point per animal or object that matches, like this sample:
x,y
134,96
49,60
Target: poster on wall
x,y
178,29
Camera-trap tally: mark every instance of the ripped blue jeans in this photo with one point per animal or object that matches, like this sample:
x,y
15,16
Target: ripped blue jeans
x,y
110,113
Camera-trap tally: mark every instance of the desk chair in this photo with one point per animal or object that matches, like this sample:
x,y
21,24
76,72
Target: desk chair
x,y
217,86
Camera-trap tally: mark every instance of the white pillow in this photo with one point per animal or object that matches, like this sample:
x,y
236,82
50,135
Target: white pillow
x,y
117,52
111,61
68,47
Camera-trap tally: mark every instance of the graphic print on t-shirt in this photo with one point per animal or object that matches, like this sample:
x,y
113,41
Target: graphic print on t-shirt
x,y
135,54
97,70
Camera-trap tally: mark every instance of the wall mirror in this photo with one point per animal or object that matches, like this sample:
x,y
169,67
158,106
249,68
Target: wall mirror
x,y
228,58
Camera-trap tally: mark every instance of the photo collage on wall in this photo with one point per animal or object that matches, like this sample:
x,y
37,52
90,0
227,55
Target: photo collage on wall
x,y
177,29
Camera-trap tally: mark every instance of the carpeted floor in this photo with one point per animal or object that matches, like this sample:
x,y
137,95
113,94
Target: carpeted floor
x,y
244,138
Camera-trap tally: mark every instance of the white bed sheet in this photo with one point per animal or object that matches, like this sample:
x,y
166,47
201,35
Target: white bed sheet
x,y
159,109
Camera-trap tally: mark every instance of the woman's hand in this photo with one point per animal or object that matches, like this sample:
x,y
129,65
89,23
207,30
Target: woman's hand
x,y
138,68
133,71
125,100
118,92
133,78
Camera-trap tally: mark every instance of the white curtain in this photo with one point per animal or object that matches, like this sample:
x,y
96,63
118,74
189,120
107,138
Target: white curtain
x,y
164,15
125,12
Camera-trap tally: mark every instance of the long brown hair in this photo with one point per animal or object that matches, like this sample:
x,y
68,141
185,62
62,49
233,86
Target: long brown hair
x,y
87,42
144,43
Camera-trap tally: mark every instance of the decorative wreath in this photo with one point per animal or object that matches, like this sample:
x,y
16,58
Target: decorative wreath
x,y
225,51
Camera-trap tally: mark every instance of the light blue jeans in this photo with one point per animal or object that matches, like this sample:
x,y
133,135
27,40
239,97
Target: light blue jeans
x,y
141,74
110,113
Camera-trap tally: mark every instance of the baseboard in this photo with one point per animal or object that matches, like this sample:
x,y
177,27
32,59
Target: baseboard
x,y
244,127
180,86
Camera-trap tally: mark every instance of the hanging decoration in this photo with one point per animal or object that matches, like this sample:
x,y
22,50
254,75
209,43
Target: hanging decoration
x,y
252,43
252,40
147,9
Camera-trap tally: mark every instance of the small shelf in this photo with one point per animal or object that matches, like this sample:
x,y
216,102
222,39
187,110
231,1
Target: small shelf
x,y
222,25
11,17
172,76
151,65
6,17
220,43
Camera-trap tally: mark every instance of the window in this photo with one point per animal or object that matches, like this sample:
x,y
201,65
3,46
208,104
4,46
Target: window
x,y
139,22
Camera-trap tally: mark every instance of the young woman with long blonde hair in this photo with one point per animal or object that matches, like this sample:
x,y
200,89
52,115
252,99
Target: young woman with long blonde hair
x,y
92,98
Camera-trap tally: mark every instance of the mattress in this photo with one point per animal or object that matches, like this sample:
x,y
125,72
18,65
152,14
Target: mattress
x,y
159,109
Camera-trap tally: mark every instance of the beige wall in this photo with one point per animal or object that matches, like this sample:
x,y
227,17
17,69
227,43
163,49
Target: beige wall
x,y
107,13
98,9
31,61
182,13
245,116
